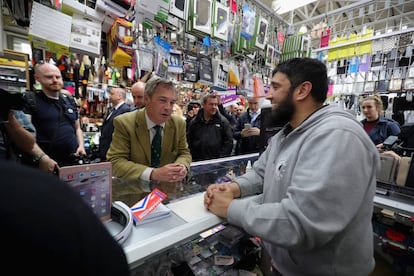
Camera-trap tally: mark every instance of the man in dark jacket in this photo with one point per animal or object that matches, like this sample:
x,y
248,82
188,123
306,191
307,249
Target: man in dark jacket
x,y
117,99
209,134
247,129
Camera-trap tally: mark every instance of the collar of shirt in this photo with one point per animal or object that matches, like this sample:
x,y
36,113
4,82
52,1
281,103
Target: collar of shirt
x,y
151,124
257,112
117,106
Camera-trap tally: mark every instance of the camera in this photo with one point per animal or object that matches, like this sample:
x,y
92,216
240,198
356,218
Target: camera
x,y
9,101
390,143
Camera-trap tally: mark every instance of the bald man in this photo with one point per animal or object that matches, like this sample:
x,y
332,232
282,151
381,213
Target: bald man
x,y
137,91
56,119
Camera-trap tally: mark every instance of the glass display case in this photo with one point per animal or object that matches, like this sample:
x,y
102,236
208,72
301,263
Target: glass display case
x,y
201,174
155,246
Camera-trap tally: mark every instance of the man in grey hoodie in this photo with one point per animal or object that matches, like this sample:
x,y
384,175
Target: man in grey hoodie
x,y
309,197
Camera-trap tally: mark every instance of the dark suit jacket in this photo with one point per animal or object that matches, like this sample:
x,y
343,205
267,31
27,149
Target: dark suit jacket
x,y
108,128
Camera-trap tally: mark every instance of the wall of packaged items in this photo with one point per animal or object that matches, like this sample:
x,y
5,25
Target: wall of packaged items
x,y
363,59
220,45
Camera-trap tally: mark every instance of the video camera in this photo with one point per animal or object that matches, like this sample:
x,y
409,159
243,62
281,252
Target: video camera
x,y
403,144
9,101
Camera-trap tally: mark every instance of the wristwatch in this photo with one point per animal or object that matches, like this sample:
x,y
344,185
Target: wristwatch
x,y
38,157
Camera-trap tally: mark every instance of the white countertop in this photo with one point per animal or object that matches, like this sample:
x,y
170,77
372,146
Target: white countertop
x,y
188,218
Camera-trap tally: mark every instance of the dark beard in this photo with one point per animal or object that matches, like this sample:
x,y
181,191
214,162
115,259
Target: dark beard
x,y
283,113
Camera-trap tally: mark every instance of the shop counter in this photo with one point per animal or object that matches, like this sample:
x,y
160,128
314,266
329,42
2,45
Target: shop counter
x,y
397,203
188,218
188,215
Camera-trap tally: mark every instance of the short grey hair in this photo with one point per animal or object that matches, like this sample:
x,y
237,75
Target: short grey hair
x,y
121,91
154,82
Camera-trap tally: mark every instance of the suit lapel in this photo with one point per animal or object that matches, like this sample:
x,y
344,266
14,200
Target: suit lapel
x,y
167,139
141,131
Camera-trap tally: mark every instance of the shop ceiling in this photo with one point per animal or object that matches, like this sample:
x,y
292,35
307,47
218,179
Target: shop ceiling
x,y
341,17
349,16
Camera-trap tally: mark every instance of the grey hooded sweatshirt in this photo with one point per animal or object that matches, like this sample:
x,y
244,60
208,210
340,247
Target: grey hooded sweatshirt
x,y
310,197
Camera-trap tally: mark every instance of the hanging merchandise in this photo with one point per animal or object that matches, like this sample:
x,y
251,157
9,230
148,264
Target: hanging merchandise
x,y
233,6
370,81
221,73
269,55
258,87
349,84
353,65
280,40
409,80
220,21
332,68
152,10
260,38
162,48
358,87
206,70
364,63
199,17
234,79
244,77
177,8
324,40
407,56
191,66
175,63
382,83
249,22
115,76
120,42
294,46
341,68
146,57
396,80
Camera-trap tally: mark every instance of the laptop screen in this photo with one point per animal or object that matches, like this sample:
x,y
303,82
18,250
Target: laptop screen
x,y
93,182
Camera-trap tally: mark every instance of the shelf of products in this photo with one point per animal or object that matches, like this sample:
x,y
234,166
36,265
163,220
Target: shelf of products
x,y
14,71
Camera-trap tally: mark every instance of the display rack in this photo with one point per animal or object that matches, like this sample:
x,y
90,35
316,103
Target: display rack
x,y
14,71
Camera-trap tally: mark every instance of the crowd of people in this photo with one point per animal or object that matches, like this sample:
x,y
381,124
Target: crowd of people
x,y
309,220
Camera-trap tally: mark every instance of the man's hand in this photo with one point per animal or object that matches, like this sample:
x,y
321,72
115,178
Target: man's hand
x,y
169,173
252,131
218,198
80,151
47,164
209,194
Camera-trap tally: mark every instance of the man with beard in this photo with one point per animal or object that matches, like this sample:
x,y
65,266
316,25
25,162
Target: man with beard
x,y
308,203
56,119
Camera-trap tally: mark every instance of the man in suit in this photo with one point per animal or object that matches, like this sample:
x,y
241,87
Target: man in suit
x,y
137,91
130,150
117,99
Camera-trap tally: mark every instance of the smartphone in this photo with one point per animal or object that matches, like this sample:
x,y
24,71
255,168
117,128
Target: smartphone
x,y
247,125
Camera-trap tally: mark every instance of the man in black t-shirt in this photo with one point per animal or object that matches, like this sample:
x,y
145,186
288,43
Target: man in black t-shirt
x,y
55,117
